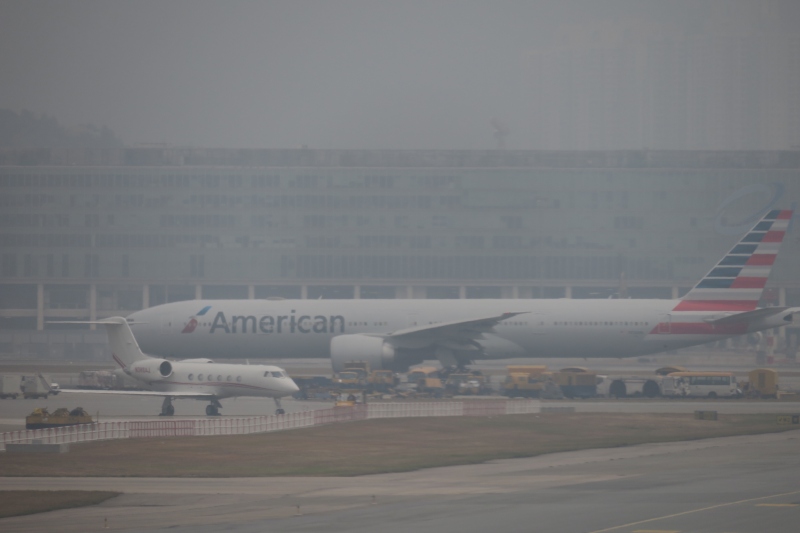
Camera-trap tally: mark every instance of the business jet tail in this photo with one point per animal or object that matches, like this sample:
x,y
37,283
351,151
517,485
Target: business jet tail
x,y
737,282
124,348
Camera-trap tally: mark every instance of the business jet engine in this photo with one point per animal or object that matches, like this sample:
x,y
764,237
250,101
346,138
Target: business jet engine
x,y
374,350
151,369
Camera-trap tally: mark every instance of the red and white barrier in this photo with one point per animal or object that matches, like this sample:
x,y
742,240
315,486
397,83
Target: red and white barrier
x,y
262,424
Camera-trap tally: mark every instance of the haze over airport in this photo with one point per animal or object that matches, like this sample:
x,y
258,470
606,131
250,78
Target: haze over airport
x,y
567,75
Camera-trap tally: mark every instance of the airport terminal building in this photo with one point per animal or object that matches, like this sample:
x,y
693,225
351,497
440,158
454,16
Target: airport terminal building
x,y
92,233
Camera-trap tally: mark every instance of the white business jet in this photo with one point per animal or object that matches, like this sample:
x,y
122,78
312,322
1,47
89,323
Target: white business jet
x,y
197,379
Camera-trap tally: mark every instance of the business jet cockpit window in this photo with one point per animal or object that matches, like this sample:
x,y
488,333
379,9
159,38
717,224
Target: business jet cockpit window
x,y
274,374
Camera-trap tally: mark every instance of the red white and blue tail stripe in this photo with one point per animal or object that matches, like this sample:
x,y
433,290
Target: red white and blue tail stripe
x,y
737,281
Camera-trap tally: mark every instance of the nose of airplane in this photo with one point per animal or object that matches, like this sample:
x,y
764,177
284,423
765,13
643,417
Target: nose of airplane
x,y
291,386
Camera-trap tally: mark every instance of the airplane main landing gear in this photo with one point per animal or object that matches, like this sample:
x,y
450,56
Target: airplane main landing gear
x,y
167,408
279,410
213,408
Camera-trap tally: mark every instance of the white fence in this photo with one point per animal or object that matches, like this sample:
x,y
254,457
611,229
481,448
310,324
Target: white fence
x,y
262,424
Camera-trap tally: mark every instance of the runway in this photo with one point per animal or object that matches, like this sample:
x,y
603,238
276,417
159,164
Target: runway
x,y
730,484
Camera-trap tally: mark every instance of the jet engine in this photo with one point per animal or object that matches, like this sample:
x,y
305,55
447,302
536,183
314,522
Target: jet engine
x,y
151,369
373,350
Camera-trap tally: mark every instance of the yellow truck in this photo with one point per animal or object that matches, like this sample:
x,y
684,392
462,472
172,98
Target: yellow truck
x,y
576,382
526,381
349,379
426,381
357,375
381,381
41,418
761,383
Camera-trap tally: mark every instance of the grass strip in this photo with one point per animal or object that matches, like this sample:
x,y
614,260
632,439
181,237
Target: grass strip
x,y
378,446
22,502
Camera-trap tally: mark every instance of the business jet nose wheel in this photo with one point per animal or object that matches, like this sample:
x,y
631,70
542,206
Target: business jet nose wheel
x,y
279,410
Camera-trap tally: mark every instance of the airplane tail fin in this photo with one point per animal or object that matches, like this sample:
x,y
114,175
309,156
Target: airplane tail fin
x,y
737,282
124,348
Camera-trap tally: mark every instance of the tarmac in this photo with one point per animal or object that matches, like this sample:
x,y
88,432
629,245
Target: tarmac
x,y
722,485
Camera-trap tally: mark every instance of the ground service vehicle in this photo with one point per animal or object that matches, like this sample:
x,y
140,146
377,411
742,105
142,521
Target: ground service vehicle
x,y
349,379
381,380
430,387
630,386
762,383
421,372
359,367
315,387
701,385
576,382
98,379
41,418
9,387
473,384
426,381
354,375
525,381
38,386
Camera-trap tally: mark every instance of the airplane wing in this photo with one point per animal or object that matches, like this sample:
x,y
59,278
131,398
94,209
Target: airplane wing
x,y
191,395
751,316
458,331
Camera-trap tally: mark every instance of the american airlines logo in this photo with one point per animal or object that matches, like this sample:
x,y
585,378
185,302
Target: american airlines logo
x,y
278,324
192,325
291,323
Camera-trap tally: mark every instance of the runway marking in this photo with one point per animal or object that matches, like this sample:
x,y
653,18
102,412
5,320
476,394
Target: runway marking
x,y
776,505
695,511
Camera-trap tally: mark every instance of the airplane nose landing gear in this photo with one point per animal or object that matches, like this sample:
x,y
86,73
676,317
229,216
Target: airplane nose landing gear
x,y
279,410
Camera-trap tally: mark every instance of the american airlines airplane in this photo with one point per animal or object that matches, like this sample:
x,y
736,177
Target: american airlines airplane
x,y
197,379
397,333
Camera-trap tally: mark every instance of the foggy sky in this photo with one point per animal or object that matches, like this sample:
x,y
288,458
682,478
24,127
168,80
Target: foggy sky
x,y
353,73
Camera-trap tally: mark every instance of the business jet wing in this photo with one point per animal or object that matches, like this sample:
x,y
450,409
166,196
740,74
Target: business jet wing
x,y
189,395
457,330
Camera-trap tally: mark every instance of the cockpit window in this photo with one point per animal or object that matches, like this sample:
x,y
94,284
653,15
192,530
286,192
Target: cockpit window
x,y
277,374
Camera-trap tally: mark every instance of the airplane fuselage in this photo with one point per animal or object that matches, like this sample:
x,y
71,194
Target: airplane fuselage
x,y
223,380
304,328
